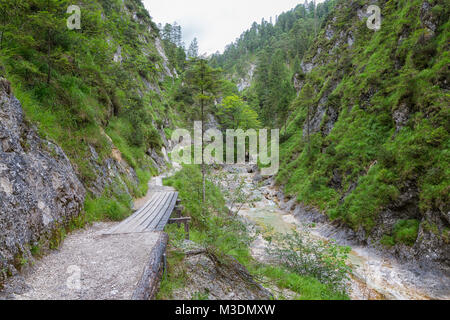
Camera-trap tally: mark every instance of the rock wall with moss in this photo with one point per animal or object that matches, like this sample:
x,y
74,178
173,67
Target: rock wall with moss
x,y
101,92
100,96
367,142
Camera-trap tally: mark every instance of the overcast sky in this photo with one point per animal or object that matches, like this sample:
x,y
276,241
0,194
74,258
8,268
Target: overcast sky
x,y
215,23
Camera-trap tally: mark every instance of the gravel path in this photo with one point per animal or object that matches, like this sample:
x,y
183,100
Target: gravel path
x,y
88,266
92,266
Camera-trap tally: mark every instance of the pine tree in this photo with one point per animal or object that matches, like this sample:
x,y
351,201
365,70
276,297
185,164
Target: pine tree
x,y
167,32
9,11
193,49
204,83
47,24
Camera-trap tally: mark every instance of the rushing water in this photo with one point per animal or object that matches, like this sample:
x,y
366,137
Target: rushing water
x,y
375,276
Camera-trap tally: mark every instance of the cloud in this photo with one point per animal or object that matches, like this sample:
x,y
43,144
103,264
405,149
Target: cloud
x,y
215,23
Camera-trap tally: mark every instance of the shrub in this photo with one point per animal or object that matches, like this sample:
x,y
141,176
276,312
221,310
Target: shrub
x,y
107,207
406,231
325,261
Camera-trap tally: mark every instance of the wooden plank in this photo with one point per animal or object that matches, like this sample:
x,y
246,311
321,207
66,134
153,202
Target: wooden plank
x,y
134,226
179,220
167,208
148,285
152,217
186,221
136,215
144,225
127,225
166,216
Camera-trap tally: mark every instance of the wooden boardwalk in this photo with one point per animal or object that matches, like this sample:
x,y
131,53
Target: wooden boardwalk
x,y
153,216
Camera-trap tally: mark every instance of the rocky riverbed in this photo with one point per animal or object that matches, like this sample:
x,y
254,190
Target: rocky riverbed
x,y
376,274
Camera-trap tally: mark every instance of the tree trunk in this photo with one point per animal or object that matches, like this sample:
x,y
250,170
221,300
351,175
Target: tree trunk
x,y
48,58
308,130
1,40
203,156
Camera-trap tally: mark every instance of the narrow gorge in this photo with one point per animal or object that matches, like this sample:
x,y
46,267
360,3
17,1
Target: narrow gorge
x,y
353,94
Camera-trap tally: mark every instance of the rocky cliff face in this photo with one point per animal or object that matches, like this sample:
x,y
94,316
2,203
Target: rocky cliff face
x,y
377,95
39,190
110,126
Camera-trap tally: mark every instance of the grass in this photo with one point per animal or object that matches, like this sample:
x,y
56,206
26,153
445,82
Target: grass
x,y
306,288
175,276
228,236
406,231
364,164
108,207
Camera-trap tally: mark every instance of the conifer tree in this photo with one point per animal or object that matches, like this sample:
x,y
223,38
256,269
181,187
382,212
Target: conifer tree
x,y
204,83
47,23
193,49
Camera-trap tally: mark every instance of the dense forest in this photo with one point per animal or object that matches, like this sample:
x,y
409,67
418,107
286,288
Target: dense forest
x,y
268,55
364,134
366,130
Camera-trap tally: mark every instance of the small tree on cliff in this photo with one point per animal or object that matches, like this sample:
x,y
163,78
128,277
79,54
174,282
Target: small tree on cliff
x,y
48,23
204,83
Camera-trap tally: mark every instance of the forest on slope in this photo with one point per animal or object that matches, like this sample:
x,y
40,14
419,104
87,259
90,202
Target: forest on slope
x,y
264,59
109,94
366,139
363,114
93,90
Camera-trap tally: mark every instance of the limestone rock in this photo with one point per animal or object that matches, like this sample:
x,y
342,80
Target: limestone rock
x,y
39,190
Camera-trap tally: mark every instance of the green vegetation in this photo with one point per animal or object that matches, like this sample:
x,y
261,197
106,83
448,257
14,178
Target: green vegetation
x,y
406,231
370,119
84,88
272,52
306,288
225,235
235,113
359,159
325,261
107,208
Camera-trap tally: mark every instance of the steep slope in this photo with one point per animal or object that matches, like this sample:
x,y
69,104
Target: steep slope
x,y
368,138
263,60
39,190
100,98
99,92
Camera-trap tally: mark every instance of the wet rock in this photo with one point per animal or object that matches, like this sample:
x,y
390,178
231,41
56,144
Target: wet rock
x,y
257,178
165,60
317,117
336,180
39,190
245,82
350,40
289,205
329,32
112,172
306,67
298,83
308,215
118,55
280,196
